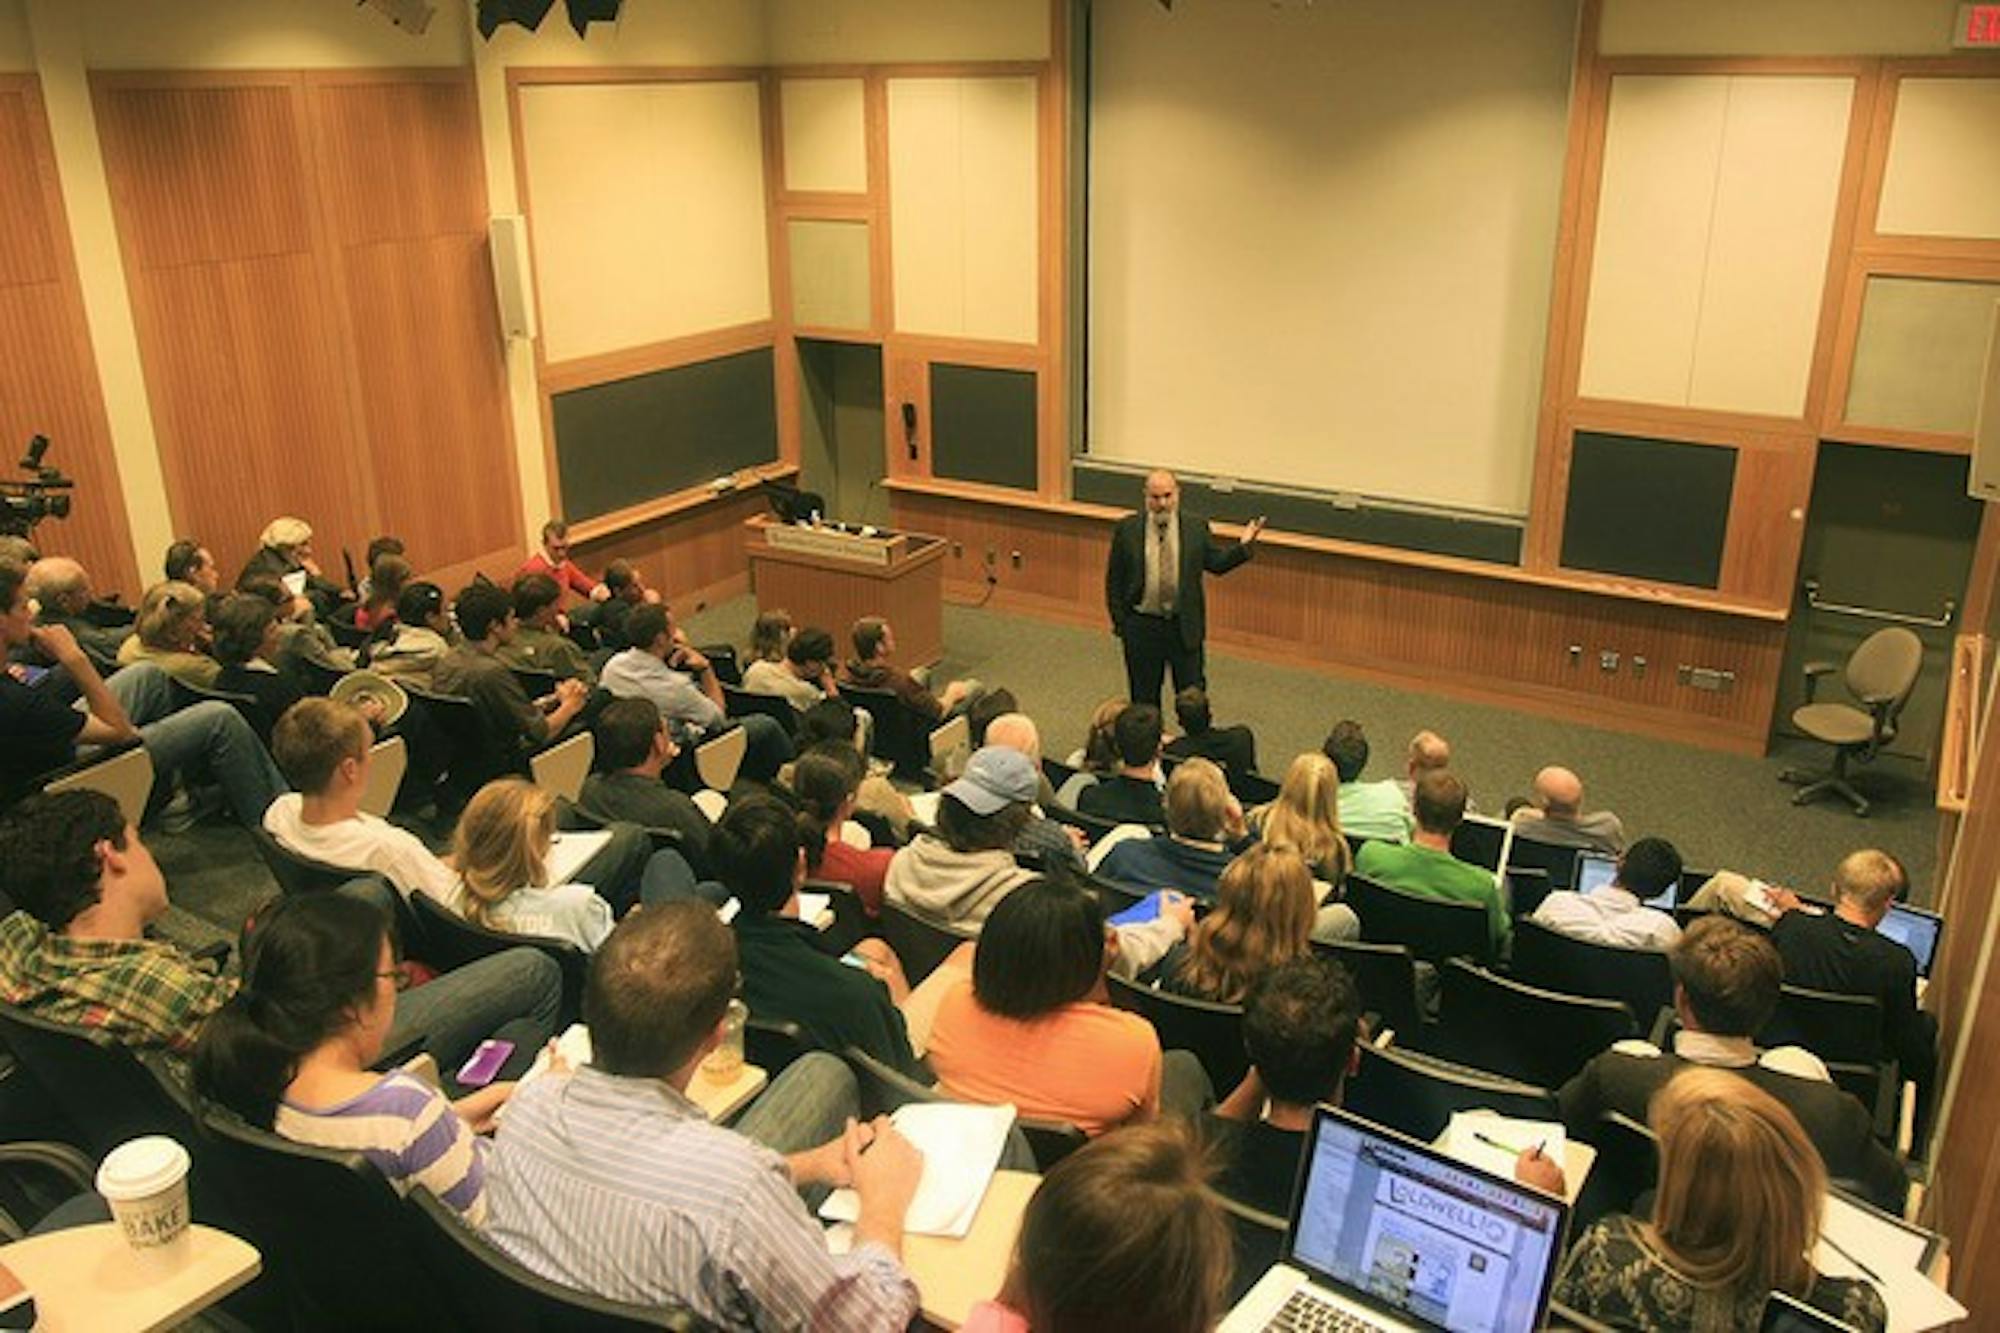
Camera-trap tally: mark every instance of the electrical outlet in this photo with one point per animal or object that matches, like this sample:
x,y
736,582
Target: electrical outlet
x,y
992,556
1638,666
958,550
1575,653
1607,659
1016,556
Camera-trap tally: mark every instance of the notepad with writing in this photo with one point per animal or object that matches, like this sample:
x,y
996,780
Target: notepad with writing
x,y
1492,1141
961,1145
572,851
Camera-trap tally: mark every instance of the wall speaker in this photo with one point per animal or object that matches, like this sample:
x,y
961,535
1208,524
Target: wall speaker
x,y
1984,479
507,238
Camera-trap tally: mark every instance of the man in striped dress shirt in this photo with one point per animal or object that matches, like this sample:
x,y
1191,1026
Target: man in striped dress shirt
x,y
611,1181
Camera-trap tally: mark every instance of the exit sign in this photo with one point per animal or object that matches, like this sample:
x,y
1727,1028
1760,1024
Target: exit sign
x,y
1978,27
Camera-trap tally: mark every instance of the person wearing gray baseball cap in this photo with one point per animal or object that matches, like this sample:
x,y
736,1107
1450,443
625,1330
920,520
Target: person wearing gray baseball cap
x,y
954,876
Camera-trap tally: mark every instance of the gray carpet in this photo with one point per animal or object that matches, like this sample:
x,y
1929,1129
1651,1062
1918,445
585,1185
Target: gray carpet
x,y
1720,810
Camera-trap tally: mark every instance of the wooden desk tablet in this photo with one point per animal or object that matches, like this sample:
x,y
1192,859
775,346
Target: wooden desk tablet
x,y
87,1279
952,1276
723,1100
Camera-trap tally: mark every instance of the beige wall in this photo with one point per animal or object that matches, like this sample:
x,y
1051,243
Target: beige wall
x,y
801,32
1776,27
17,51
258,34
648,32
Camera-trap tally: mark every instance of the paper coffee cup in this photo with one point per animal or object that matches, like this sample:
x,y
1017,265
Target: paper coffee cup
x,y
145,1182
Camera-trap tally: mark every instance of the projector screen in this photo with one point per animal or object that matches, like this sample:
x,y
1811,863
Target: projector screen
x,y
1322,239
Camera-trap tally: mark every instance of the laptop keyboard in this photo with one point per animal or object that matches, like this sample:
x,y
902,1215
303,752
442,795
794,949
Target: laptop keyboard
x,y
1304,1312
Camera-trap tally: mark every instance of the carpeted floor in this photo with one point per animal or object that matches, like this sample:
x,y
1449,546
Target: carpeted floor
x,y
1720,810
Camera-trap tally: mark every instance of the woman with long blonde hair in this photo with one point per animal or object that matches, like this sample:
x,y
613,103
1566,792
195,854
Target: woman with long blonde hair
x,y
1306,817
501,850
1736,1216
1263,917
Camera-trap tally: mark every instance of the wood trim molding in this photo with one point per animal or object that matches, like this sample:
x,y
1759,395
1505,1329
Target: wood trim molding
x,y
584,371
679,502
523,75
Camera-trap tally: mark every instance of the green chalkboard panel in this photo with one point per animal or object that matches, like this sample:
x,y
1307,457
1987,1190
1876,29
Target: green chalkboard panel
x,y
983,425
628,441
1648,509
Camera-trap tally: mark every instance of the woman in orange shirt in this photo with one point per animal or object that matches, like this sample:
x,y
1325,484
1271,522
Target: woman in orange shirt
x,y
1024,1028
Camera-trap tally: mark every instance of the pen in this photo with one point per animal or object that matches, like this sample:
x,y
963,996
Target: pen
x,y
1492,1142
1842,1251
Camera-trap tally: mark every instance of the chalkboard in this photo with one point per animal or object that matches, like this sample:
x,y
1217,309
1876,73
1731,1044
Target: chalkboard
x,y
983,425
1648,509
628,441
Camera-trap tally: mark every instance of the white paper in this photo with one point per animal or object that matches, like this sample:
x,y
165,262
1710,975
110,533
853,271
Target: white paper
x,y
961,1145
571,851
1915,1302
574,1044
1467,1138
816,909
924,805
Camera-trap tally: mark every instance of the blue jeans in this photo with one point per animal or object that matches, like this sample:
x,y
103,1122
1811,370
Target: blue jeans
x,y
805,1106
669,878
208,738
519,990
767,747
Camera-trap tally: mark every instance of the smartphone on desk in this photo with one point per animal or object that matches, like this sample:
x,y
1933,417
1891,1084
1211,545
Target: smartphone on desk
x,y
485,1064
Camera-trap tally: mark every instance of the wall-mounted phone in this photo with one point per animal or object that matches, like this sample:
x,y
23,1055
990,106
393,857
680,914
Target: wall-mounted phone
x,y
910,429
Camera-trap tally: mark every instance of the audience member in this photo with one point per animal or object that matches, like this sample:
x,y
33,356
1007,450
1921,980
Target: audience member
x,y
474,670
1736,1216
1234,747
1616,913
246,646
633,749
955,875
982,712
1263,918
378,547
43,729
1057,846
625,592
802,677
1204,827
877,798
292,1052
539,643
61,591
1425,864
761,862
301,638
423,635
388,575
172,633
1097,759
1122,1234
612,1181
1428,753
77,952
769,634
872,669
1131,794
1367,809
285,552
1306,817
1555,815
826,779
1726,979
17,551
661,666
188,561
1026,1027
554,560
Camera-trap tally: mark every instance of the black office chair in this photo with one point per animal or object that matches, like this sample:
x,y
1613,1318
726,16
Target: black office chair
x,y
918,944
1417,1094
450,941
1641,978
1524,1032
1212,1032
1433,928
1040,1142
1386,976
743,703
493,1293
1880,675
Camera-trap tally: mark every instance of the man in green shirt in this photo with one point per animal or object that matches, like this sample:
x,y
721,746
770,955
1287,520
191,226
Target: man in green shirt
x,y
1425,865
539,643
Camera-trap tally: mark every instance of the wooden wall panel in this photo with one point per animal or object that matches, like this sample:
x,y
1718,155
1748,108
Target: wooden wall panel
x,y
694,556
48,378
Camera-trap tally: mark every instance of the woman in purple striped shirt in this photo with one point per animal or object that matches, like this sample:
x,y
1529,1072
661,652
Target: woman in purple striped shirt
x,y
291,1052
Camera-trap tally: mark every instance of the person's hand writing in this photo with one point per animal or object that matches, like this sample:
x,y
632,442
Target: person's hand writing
x,y
886,1169
1538,1171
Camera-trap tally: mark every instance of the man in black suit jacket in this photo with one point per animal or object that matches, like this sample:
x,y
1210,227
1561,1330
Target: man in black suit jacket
x,y
1152,587
1234,748
1726,980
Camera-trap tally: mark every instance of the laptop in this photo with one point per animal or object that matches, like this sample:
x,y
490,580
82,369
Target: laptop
x,y
1389,1233
1917,930
1594,870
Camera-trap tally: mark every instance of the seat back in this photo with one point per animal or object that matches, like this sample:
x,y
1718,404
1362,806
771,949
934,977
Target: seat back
x,y
1386,977
185,694
950,744
1627,1166
1417,1095
738,702
1212,1032
317,677
107,1095
918,944
1251,789
296,873
901,737
1843,1029
452,941
717,759
1433,928
1093,827
477,755
388,761
1557,862
1479,841
1526,887
126,776
773,1043
562,767
1538,1036
1260,1243
536,684
1883,672
1642,978
723,661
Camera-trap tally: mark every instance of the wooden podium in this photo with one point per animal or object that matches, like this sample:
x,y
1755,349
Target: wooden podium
x,y
831,579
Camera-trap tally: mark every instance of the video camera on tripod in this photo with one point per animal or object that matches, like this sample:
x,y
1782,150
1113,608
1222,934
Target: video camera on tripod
x,y
23,504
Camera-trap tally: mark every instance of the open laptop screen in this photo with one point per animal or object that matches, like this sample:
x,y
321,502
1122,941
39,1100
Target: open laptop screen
x,y
1916,930
1594,870
1387,1220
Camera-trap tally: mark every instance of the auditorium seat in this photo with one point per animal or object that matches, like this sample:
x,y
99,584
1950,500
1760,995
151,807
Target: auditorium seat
x,y
1548,958
1212,1033
1386,976
1538,1036
1418,1094
1433,928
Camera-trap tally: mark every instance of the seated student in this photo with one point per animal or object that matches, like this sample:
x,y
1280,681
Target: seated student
x,y
61,591
1123,1233
474,670
377,548
826,779
285,553
1428,752
1097,758
769,634
633,749
539,643
1306,817
388,575
1263,918
1204,825
837,720
1425,864
612,1181
625,591
1616,913
1026,1027
172,633
1234,748
1736,1216
871,668
1555,815
955,875
76,951
1057,846
246,644
291,1052
301,638
1131,794
423,635
1726,979
803,677
554,560
761,861
188,561
661,666
40,729
1367,809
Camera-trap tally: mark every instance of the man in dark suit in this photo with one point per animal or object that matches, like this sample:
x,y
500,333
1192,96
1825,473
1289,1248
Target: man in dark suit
x,y
1152,587
1726,979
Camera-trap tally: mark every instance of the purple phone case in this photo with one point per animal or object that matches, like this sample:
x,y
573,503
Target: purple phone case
x,y
478,1071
